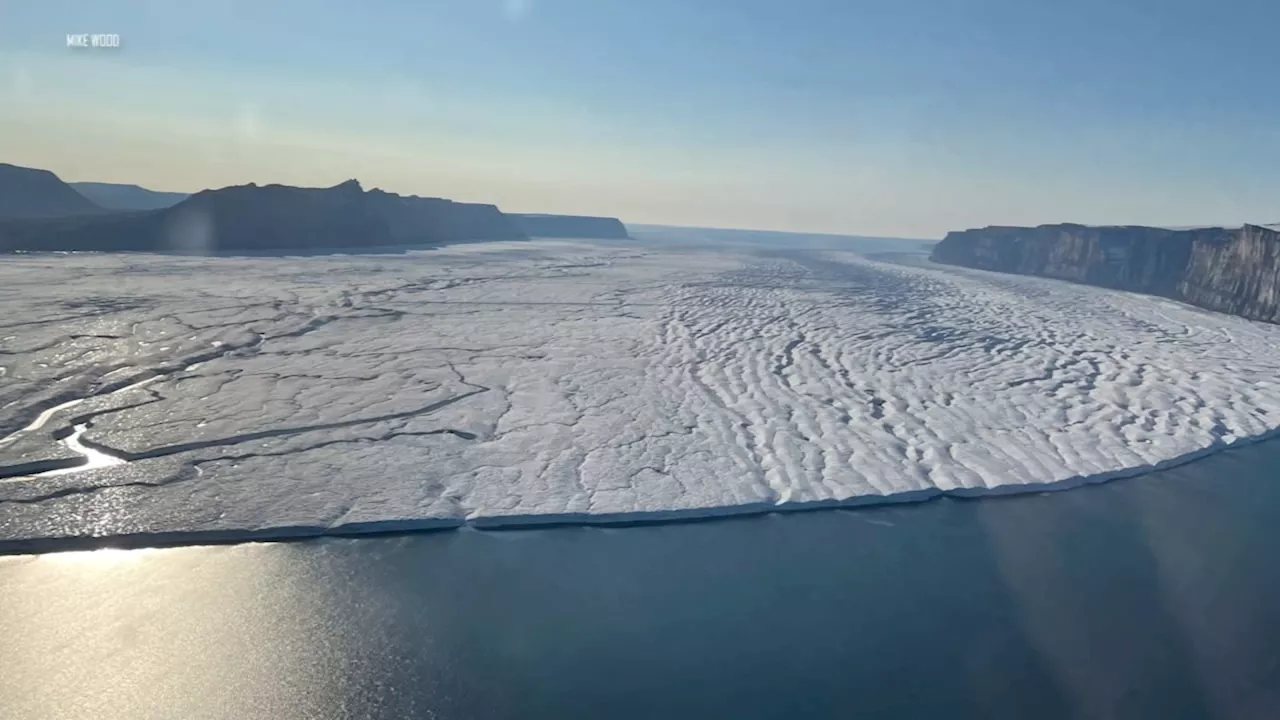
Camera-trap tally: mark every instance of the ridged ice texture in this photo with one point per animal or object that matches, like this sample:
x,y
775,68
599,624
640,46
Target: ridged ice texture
x,y
556,381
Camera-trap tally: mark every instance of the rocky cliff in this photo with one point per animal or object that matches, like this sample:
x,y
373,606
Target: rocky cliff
x,y
569,226
31,193
269,218
1232,270
417,220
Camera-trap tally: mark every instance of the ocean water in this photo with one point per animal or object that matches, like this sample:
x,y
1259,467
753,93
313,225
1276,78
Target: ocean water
x,y
1154,597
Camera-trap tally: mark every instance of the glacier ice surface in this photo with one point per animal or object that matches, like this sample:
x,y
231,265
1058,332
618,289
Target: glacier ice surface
x,y
515,383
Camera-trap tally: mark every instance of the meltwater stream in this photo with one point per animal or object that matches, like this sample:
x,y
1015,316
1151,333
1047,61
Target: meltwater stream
x,y
41,420
93,457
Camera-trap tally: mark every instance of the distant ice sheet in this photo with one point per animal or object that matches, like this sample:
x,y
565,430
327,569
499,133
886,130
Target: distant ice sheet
x,y
555,381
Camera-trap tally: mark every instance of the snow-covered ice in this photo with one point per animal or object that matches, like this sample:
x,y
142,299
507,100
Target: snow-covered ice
x,y
557,381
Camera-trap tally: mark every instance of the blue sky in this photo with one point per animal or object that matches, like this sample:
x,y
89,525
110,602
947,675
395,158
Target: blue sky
x,y
891,117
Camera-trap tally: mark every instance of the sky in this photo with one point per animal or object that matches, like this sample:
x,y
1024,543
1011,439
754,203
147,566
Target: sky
x,y
904,118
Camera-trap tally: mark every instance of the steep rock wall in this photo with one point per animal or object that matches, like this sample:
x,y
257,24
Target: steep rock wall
x,y
1229,270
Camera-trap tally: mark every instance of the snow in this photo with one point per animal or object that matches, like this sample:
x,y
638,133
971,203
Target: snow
x,y
519,383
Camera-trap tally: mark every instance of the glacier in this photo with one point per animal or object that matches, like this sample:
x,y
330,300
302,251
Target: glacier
x,y
553,381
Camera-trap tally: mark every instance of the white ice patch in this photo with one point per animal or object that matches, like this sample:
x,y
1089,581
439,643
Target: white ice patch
x,y
556,381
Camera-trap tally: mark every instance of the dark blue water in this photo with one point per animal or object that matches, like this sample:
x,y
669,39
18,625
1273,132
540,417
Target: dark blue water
x,y
1156,597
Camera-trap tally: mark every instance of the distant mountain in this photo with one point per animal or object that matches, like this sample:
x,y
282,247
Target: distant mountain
x,y
270,218
569,226
114,196
31,193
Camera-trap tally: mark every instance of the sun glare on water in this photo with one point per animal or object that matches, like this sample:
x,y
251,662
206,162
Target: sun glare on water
x,y
107,557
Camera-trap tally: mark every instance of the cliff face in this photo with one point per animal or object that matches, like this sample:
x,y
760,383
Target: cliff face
x,y
1239,274
570,226
269,218
1229,270
414,220
32,193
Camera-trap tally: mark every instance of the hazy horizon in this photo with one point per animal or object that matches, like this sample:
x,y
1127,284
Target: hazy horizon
x,y
842,118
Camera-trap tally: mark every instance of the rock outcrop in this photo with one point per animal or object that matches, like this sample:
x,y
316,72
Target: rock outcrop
x,y
252,218
569,226
31,193
1231,270
114,196
414,220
